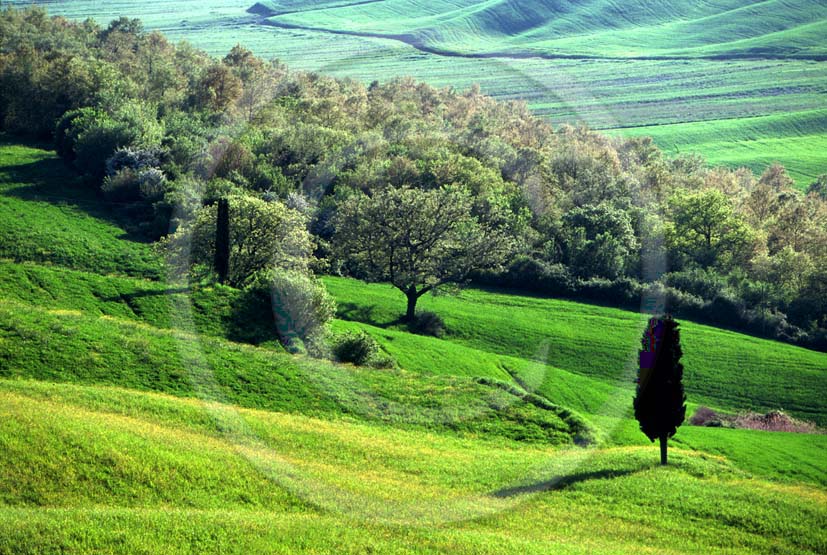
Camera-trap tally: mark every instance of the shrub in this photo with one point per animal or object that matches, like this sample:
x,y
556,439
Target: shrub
x,y
358,347
622,291
428,323
122,186
726,310
302,308
151,184
133,158
705,284
705,416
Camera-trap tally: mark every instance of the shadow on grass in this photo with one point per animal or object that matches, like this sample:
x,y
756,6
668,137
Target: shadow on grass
x,y
562,482
49,180
366,314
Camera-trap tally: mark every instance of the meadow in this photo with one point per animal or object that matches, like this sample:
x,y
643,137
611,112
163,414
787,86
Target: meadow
x,y
135,418
107,470
670,74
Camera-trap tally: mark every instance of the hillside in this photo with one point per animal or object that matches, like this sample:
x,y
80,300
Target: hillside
x,y
102,469
597,28
724,369
138,416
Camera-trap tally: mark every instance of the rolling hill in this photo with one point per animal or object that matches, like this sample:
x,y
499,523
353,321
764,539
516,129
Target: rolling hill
x,y
554,28
135,416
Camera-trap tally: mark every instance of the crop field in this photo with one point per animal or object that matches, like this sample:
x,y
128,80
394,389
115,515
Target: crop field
x,y
670,74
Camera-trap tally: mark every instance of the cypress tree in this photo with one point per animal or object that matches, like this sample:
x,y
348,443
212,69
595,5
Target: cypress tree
x,y
660,401
222,241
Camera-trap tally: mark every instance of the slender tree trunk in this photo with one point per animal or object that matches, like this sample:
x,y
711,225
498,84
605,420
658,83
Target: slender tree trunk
x,y
222,241
412,298
663,445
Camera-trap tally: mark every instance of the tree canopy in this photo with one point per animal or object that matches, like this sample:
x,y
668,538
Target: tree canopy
x,y
417,239
589,216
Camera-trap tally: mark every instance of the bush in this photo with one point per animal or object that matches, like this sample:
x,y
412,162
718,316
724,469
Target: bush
x,y
133,158
705,416
705,284
358,347
302,308
620,292
428,323
122,186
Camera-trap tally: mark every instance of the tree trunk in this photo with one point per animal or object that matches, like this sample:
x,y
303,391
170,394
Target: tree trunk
x,y
663,444
222,241
412,298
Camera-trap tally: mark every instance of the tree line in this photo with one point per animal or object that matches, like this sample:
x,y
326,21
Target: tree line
x,y
406,183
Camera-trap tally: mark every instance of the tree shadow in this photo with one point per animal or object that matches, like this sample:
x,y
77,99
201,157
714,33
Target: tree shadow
x,y
49,180
365,314
561,482
129,298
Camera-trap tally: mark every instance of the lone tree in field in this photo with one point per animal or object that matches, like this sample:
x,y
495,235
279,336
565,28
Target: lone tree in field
x,y
659,403
419,239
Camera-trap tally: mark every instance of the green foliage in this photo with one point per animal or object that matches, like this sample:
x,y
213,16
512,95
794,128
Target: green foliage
x,y
361,349
301,306
417,240
599,241
263,235
593,199
707,231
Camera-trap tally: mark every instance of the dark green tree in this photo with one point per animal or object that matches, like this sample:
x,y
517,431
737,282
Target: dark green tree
x,y
660,401
222,241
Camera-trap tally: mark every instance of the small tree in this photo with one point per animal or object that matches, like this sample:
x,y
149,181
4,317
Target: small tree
x,y
660,401
262,236
418,240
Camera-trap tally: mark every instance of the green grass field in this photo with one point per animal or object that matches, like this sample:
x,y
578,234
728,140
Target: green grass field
x,y
95,469
137,417
714,78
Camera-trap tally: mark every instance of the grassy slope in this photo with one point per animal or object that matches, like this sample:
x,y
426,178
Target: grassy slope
x,y
101,469
725,369
57,221
135,471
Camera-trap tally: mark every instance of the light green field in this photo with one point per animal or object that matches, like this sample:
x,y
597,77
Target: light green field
x,y
492,332
724,65
601,28
796,136
95,469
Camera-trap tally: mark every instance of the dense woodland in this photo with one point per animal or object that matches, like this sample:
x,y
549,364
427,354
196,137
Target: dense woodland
x,y
401,182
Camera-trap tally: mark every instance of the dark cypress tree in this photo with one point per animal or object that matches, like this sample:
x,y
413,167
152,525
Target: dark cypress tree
x,y
222,240
660,401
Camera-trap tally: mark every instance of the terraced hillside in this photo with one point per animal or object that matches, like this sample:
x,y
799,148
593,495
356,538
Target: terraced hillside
x,y
712,77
